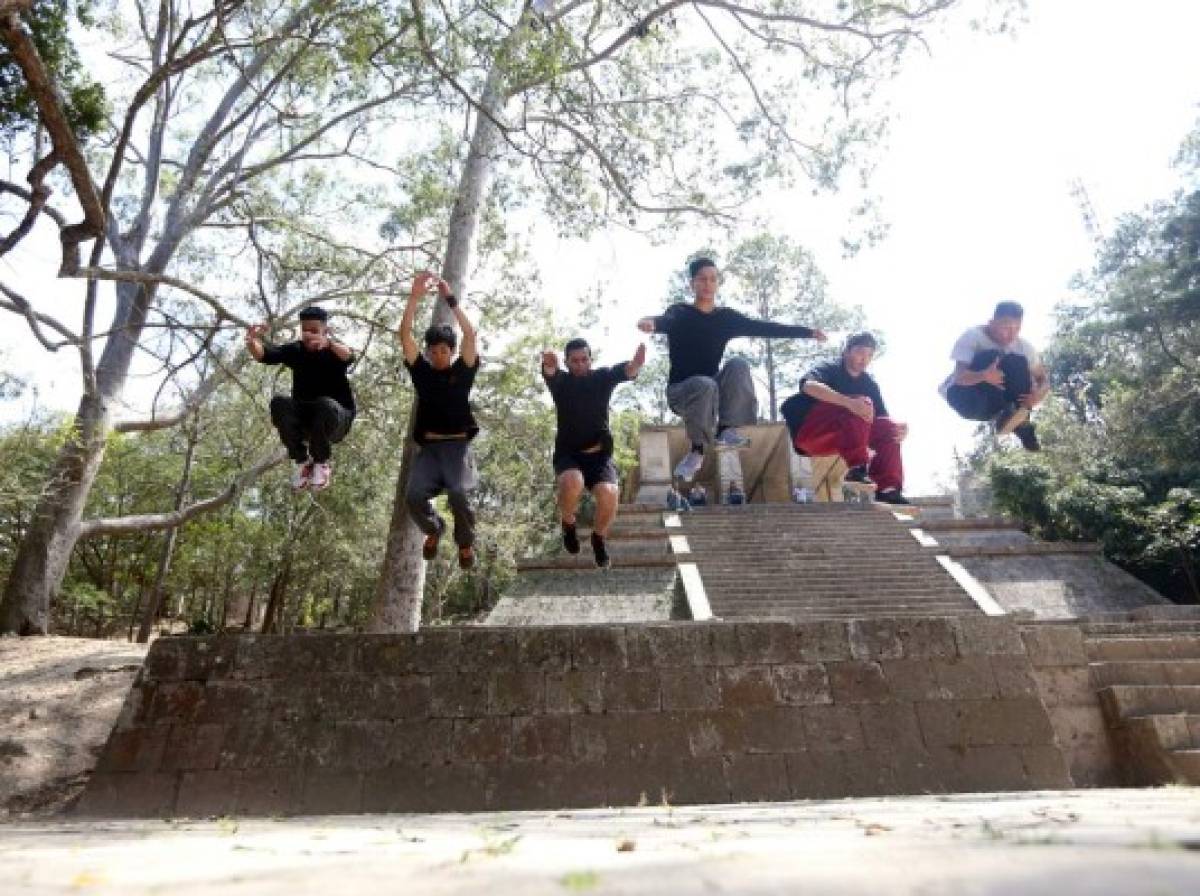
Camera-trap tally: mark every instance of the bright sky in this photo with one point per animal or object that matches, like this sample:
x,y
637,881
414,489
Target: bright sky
x,y
988,134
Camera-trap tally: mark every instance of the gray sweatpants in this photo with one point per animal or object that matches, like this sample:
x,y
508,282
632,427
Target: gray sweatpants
x,y
706,402
443,467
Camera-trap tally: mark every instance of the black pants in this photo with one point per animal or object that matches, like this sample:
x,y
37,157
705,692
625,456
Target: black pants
x,y
309,429
983,401
443,467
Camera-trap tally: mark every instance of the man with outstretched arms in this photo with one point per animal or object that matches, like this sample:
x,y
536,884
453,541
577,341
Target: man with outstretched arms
x,y
839,410
998,376
321,408
444,425
583,446
712,399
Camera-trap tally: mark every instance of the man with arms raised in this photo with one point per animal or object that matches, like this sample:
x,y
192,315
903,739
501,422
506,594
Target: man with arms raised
x,y
321,407
583,445
998,376
712,399
444,424
840,410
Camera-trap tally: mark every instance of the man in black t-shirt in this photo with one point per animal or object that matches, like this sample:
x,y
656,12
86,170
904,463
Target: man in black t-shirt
x,y
321,407
584,444
711,399
839,410
444,425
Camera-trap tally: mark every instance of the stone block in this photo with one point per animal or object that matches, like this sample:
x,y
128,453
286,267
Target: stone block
x,y
514,692
331,793
481,740
718,644
890,726
832,728
189,658
265,745
545,648
746,686
1046,768
823,641
714,733
816,775
406,697
689,688
458,694
128,795
600,646
597,738
541,738
134,750
416,742
575,691
869,773
352,746
232,702
208,794
912,679
760,777
174,702
891,639
857,682
438,788
137,709
651,735
764,643
389,656
270,792
547,785
630,690
965,678
987,635
484,651
659,646
919,770
1066,686
673,782
1014,677
801,684
1054,645
193,747
987,768
969,723
773,730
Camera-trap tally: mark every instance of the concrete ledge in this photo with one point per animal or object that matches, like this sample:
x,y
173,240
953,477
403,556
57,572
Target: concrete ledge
x,y
969,524
1035,548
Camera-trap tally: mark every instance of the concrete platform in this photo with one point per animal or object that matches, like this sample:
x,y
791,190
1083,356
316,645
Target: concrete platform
x,y
1077,842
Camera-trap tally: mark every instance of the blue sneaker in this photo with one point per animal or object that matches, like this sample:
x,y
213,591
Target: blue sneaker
x,y
731,440
689,466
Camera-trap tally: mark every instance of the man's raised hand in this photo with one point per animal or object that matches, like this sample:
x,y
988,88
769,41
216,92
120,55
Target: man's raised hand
x,y
646,325
862,407
993,375
422,280
549,362
639,357
820,335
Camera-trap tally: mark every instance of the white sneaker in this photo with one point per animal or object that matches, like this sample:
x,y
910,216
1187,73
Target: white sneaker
x,y
731,440
689,466
321,474
302,475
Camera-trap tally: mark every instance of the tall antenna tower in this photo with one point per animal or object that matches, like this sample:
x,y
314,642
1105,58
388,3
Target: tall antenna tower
x,y
1087,211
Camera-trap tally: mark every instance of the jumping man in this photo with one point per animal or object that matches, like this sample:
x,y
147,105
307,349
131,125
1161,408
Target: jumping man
x,y
444,424
584,444
321,407
711,399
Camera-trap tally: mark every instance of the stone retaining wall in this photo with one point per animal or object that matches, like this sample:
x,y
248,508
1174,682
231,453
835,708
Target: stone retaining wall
x,y
507,718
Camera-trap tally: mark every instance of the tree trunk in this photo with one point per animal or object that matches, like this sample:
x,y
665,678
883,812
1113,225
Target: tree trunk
x,y
771,393
401,588
45,551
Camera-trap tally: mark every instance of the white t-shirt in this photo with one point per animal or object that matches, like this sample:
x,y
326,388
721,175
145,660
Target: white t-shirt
x,y
977,340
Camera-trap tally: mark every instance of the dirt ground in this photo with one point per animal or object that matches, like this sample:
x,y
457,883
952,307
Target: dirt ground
x,y
59,698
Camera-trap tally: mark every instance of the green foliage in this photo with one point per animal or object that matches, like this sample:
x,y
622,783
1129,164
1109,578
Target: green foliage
x,y
49,23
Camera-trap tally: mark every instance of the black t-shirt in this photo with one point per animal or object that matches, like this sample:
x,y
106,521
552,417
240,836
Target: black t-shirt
x,y
443,405
315,375
834,375
581,403
696,340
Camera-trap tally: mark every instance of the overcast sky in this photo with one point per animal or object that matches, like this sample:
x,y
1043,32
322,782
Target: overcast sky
x,y
988,134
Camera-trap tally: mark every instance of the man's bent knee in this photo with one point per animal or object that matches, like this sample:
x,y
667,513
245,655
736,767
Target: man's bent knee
x,y
570,481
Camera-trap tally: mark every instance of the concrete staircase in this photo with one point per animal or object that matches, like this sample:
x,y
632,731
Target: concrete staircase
x,y
817,561
1148,678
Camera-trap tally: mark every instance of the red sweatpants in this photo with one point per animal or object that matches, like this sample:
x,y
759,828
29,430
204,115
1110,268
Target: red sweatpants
x,y
829,429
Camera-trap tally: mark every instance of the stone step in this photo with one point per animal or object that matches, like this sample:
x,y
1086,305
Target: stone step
x,y
567,562
1139,629
1176,731
1186,765
1126,700
967,525
1170,672
1182,647
820,600
777,611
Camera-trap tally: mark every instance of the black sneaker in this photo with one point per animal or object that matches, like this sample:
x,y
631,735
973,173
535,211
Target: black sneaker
x,y
859,475
600,552
892,496
1029,439
1009,418
570,538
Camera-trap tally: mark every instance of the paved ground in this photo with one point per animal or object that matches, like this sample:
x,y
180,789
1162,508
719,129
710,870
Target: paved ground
x,y
1106,841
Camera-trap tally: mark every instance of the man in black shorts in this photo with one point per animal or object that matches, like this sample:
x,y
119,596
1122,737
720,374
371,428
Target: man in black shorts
x,y
444,424
584,444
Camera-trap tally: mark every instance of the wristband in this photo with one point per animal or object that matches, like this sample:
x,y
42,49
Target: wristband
x,y
451,301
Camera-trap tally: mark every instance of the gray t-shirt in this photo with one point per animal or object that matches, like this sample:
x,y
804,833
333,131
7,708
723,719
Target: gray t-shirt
x,y
977,340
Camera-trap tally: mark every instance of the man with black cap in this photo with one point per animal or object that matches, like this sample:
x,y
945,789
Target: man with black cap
x,y
998,376
444,424
583,445
839,410
712,399
321,407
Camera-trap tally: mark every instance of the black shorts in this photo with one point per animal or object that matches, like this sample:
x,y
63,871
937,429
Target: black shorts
x,y
596,467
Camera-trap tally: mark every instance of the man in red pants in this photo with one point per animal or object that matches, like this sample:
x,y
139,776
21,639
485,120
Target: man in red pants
x,y
839,411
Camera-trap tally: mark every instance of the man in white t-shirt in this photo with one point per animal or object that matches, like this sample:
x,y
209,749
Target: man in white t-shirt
x,y
998,376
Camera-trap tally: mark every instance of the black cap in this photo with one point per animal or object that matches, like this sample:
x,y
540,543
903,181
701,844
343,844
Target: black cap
x,y
314,312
